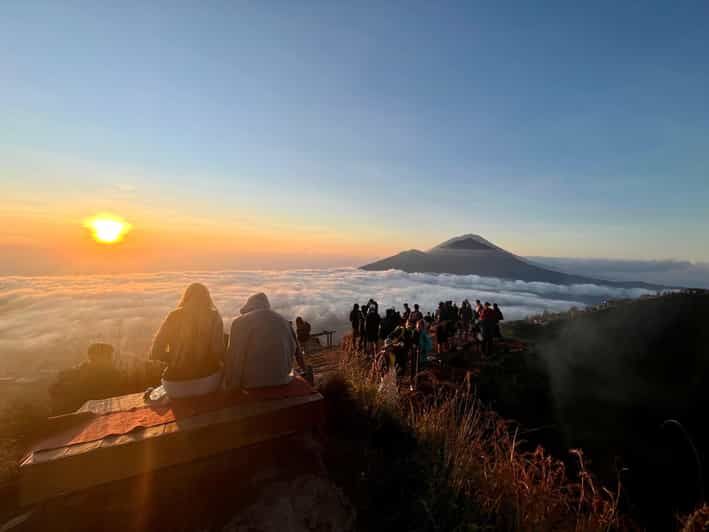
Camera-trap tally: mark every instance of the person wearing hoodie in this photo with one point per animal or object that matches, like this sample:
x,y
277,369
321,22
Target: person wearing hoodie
x,y
262,345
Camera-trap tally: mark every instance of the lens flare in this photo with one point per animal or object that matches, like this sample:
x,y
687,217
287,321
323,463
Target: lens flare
x,y
106,228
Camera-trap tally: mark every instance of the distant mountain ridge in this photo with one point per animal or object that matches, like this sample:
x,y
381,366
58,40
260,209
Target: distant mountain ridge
x,y
471,254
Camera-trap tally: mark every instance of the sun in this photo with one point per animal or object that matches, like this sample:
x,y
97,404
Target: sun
x,y
106,228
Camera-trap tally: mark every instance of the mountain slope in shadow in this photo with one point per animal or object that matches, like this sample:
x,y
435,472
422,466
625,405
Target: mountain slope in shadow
x,y
473,255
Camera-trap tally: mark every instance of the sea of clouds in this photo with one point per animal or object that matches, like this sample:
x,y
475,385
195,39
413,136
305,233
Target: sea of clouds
x,y
47,322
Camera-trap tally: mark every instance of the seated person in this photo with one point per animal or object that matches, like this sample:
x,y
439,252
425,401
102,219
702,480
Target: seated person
x,y
96,378
261,347
191,342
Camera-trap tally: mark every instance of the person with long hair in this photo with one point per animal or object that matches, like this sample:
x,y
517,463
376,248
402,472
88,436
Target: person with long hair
x,y
191,343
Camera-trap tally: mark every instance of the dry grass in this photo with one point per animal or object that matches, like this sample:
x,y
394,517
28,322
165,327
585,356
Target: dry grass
x,y
697,521
479,458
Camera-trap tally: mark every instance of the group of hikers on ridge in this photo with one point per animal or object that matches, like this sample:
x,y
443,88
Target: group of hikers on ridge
x,y
261,346
191,343
410,331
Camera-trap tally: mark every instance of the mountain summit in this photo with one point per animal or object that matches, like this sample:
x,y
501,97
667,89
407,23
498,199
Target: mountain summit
x,y
473,255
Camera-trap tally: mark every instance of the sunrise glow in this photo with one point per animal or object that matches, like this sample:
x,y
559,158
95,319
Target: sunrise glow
x,y
107,229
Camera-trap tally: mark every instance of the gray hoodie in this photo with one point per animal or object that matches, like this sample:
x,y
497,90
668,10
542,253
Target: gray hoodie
x,y
261,347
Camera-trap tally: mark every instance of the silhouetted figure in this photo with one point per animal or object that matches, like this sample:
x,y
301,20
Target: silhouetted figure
x,y
413,350
407,313
441,312
261,347
302,331
372,323
487,325
362,325
191,343
466,317
389,323
497,313
478,310
355,321
441,337
400,340
425,345
416,314
96,378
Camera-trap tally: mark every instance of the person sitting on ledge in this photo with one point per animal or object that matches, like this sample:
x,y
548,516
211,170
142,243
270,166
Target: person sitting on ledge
x,y
262,345
94,378
191,343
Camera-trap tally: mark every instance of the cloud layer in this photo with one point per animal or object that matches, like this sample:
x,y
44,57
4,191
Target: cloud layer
x,y
664,272
49,321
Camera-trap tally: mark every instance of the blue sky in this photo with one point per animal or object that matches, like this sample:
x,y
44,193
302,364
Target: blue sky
x,y
550,128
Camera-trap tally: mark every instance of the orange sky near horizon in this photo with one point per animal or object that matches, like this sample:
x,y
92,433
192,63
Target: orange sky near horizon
x,y
243,223
44,243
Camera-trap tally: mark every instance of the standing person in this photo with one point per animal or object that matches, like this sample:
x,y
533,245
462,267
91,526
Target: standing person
x,y
452,317
302,331
498,318
262,346
416,314
466,317
487,321
414,338
441,312
371,326
425,343
355,319
441,337
407,313
191,343
372,303
478,310
362,325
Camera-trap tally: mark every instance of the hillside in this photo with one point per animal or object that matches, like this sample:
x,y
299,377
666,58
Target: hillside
x,y
473,255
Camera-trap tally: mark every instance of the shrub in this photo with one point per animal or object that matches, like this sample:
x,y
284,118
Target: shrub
x,y
459,463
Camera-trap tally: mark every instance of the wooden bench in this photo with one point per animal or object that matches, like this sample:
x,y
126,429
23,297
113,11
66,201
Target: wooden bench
x,y
53,472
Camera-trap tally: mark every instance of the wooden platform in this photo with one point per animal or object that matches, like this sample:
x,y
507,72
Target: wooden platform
x,y
50,473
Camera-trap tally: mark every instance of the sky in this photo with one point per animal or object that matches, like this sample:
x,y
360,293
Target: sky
x,y
320,134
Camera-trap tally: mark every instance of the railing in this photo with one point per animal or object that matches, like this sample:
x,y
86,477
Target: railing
x,y
328,337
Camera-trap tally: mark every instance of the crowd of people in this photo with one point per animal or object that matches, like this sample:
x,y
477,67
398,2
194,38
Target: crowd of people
x,y
198,358
410,333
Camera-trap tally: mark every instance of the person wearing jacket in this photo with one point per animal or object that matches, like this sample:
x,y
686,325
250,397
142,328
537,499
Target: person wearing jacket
x,y
191,343
355,319
487,321
498,317
302,329
401,341
425,343
261,347
371,328
416,314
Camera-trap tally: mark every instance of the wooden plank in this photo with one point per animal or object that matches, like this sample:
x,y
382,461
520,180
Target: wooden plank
x,y
178,442
224,415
